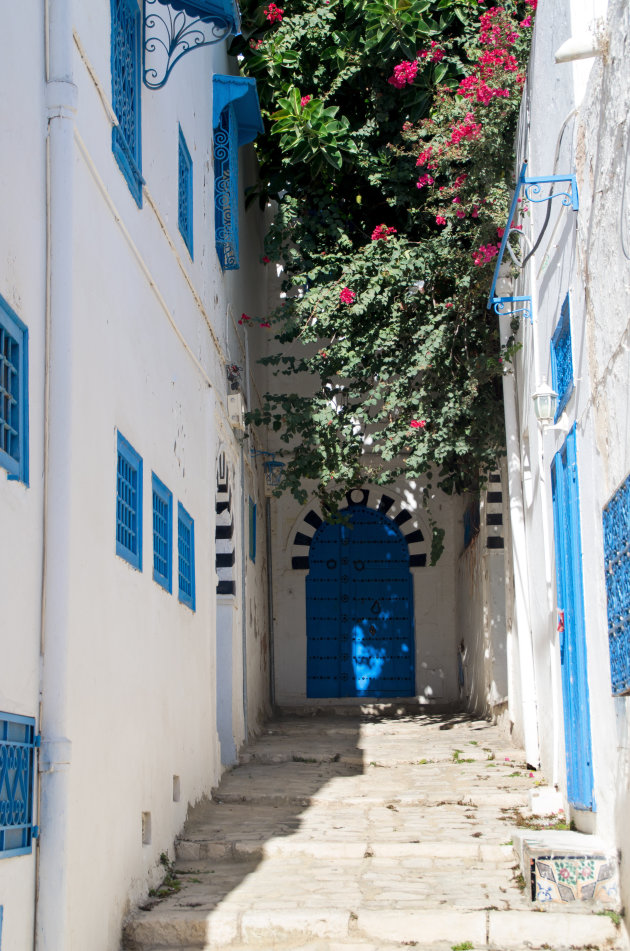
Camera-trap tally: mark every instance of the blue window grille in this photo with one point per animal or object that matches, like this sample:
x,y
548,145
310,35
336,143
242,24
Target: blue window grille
x,y
561,359
18,742
162,534
252,530
13,394
185,193
129,504
126,59
186,556
616,518
226,190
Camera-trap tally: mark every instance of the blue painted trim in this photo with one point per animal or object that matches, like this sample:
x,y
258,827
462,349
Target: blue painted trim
x,y
185,565
131,554
1,912
616,524
563,329
18,792
161,494
128,154
239,92
18,468
185,193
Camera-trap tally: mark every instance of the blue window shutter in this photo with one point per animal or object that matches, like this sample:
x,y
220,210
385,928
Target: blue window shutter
x,y
186,557
616,518
562,359
129,504
185,193
162,534
13,394
126,60
17,757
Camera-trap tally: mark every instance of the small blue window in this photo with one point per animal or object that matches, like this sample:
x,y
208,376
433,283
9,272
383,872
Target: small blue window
x,y
616,518
126,58
252,530
162,534
185,193
186,556
129,504
17,754
13,394
561,359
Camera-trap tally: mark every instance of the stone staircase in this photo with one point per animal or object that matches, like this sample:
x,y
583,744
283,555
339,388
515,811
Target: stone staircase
x,y
363,832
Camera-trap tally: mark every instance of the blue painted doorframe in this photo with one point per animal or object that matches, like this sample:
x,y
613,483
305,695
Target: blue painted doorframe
x,y
577,720
359,604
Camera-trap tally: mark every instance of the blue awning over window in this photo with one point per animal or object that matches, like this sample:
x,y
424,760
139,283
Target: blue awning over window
x,y
208,10
240,92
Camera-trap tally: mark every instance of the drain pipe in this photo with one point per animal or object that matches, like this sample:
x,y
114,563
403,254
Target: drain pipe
x,y
51,924
243,602
272,659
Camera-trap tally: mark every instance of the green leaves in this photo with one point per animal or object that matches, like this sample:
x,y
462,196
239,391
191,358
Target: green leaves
x,y
311,131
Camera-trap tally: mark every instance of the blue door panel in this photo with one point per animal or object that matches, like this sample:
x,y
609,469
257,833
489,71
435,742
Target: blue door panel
x,y
577,725
359,596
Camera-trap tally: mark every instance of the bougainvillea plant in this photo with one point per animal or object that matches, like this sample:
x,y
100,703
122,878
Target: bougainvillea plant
x,y
389,157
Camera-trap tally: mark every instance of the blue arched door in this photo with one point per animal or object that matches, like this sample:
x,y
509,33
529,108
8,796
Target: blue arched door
x,y
359,609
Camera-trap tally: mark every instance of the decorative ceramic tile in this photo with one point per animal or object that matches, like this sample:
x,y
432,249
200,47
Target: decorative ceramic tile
x,y
569,878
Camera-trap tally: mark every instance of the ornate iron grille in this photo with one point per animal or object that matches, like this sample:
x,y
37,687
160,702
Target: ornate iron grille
x,y
128,503
9,395
185,553
162,523
562,359
126,84
185,194
226,190
17,745
616,518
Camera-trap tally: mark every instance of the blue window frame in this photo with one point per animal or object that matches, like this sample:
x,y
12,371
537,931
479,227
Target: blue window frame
x,y
126,60
13,394
162,534
186,557
129,504
185,193
616,518
252,530
18,742
561,359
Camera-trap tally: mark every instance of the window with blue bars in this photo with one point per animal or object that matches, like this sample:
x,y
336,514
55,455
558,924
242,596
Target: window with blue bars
x,y
185,193
13,394
562,359
162,534
252,530
226,190
18,742
616,518
185,557
129,504
126,62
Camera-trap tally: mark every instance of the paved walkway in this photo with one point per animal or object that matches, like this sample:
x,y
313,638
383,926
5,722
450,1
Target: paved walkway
x,y
360,833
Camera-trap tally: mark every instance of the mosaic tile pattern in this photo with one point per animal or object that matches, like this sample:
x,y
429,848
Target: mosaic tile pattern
x,y
569,878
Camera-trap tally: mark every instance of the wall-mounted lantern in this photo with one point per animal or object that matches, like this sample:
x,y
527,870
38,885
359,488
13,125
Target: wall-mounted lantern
x,y
545,402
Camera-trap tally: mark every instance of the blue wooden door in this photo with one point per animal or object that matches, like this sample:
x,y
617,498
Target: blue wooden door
x,y
577,720
359,608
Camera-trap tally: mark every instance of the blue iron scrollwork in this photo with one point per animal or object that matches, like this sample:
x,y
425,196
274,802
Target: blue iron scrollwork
x,y
534,189
226,190
502,309
172,29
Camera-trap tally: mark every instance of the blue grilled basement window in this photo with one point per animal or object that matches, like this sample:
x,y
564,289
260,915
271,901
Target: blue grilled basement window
x,y
236,121
13,394
186,556
129,504
17,757
185,193
561,359
162,534
616,518
126,60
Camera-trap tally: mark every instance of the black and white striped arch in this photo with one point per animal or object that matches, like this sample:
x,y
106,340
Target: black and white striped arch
x,y
224,531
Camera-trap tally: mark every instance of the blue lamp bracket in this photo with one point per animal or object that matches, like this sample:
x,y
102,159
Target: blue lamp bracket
x,y
172,28
532,188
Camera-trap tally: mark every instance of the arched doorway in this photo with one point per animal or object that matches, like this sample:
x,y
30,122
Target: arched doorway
x,y
359,609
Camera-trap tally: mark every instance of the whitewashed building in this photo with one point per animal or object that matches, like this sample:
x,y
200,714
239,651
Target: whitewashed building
x,y
133,581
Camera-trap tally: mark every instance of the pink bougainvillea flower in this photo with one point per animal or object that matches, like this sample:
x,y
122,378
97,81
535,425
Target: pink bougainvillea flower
x,y
485,253
460,213
418,423
244,319
347,296
425,180
404,73
265,323
265,260
304,100
323,354
440,220
273,13
382,232
500,232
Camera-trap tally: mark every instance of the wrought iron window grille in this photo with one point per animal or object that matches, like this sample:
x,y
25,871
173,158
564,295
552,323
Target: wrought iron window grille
x,y
185,193
173,28
162,534
562,359
126,58
186,557
129,504
616,521
13,394
532,188
18,742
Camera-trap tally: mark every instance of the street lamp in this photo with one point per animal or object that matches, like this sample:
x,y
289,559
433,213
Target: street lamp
x,y
545,402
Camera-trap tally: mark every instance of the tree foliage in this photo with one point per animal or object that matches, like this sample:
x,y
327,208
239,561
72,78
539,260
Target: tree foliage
x,y
389,156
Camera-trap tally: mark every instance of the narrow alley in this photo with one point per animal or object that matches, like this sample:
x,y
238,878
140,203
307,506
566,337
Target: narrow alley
x,y
362,832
